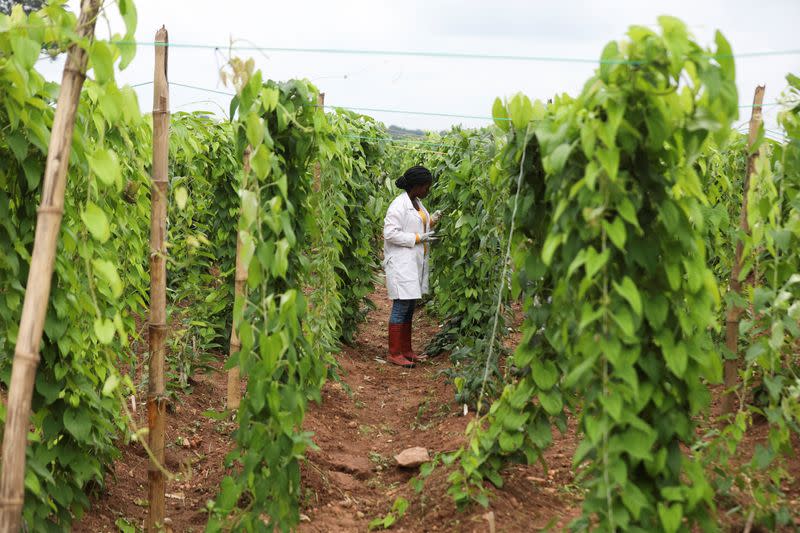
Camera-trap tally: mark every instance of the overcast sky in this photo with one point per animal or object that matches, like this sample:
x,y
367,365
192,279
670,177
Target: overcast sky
x,y
565,28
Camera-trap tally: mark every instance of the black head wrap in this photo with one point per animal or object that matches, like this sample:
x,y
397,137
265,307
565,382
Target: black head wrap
x,y
416,175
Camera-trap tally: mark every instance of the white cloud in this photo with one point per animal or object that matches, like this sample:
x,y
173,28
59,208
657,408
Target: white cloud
x,y
567,28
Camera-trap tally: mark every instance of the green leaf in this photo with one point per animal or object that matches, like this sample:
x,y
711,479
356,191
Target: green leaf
x,y
96,222
255,129
270,97
181,197
229,494
25,51
628,212
124,526
127,9
623,319
261,162
78,423
627,289
400,506
595,261
675,354
249,207
573,378
724,56
281,263
551,244
588,139
521,111
545,374
670,516
551,402
101,58
616,232
500,115
555,161
32,483
105,165
673,272
104,330
127,49
111,384
107,271
609,161
638,444
634,499
610,55
656,308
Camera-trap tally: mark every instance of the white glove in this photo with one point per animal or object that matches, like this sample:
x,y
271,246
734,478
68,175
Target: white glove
x,y
427,236
436,216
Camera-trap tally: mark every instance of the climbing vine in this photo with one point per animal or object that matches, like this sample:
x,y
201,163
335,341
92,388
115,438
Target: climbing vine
x,y
770,382
96,282
471,193
360,184
623,239
297,227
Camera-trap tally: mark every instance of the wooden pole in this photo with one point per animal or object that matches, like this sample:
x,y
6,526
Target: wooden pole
x,y
734,312
37,291
239,292
156,398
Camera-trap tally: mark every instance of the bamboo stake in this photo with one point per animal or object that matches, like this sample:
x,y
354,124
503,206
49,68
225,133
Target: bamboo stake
x,y
735,312
37,292
239,293
156,399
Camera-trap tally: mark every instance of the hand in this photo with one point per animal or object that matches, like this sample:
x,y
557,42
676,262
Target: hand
x,y
427,236
435,217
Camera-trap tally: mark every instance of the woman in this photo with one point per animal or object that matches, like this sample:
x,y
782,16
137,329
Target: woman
x,y
407,233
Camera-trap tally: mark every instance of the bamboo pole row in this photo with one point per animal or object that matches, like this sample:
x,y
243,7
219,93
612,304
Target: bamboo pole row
x,y
239,293
37,290
156,397
734,313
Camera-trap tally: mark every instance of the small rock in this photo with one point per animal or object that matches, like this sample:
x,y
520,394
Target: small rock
x,y
352,424
412,457
304,518
360,514
344,481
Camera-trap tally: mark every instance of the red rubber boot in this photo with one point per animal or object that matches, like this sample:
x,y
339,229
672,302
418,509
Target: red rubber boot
x,y
396,346
408,352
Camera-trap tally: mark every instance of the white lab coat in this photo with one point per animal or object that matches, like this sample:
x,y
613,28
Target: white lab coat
x,y
404,261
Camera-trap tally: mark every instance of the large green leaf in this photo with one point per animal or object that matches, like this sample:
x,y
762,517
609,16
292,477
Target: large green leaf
x,y
96,222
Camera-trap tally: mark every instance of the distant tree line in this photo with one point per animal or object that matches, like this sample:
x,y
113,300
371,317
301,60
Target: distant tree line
x,y
27,5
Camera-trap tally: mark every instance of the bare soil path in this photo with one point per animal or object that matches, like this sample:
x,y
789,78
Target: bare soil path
x,y
375,411
379,410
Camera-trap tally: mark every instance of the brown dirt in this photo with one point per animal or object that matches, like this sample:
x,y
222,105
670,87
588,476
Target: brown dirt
x,y
379,410
374,412
195,452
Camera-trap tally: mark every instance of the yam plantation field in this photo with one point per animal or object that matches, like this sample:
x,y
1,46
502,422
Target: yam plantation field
x,y
193,313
